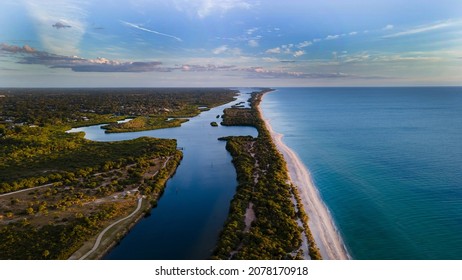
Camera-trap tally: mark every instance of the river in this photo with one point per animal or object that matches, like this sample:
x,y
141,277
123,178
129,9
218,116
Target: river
x,y
190,214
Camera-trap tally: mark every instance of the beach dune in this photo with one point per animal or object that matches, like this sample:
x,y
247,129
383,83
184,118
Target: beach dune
x,y
321,223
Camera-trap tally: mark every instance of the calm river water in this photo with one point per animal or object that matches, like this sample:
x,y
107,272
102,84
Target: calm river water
x,y
194,207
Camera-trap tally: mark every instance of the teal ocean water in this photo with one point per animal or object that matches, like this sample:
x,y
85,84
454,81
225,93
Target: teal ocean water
x,y
387,162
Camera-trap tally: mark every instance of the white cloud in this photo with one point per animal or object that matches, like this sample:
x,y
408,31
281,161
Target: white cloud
x,y
251,30
274,50
260,72
226,50
353,33
284,48
253,43
299,53
424,28
406,58
220,49
354,58
304,44
332,37
270,59
204,8
287,49
388,27
394,58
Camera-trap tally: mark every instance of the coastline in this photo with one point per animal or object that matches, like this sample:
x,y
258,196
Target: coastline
x,y
321,223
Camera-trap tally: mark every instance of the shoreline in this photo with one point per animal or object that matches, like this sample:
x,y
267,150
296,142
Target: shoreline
x,y
321,223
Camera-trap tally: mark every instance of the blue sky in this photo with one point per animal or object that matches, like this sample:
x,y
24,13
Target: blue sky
x,y
50,43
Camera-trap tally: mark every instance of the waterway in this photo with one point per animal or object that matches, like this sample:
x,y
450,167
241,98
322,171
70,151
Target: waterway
x,y
189,216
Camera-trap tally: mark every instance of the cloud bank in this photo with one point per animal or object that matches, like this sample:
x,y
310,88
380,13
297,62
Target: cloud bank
x,y
29,55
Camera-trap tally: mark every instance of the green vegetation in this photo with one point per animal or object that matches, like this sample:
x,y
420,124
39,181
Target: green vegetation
x,y
55,217
22,240
73,187
77,107
215,124
239,117
143,123
263,183
40,155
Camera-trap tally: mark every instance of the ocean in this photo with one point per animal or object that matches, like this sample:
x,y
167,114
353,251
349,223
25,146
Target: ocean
x,y
386,161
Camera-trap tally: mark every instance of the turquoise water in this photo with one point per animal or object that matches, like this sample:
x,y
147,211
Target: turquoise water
x,y
191,213
387,162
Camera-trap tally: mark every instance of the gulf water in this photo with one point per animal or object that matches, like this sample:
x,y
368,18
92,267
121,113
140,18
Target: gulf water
x,y
387,162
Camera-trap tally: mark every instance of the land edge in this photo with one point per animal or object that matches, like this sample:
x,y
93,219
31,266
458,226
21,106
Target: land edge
x,y
326,235
112,237
249,173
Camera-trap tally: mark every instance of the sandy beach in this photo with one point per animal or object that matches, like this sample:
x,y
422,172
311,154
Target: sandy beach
x,y
321,223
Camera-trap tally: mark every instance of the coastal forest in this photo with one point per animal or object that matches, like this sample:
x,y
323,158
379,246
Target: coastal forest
x,y
59,190
266,219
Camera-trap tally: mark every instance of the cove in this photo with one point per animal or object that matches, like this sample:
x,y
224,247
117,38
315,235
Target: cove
x,y
191,212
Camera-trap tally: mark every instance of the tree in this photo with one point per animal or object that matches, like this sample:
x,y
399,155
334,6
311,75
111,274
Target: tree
x,y
30,211
46,253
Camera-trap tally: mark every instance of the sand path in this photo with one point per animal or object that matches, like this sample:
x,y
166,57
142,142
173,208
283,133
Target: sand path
x,y
100,236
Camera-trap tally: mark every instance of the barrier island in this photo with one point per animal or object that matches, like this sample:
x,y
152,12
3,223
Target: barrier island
x,y
266,218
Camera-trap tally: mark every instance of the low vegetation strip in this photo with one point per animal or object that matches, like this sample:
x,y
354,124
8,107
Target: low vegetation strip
x,y
263,182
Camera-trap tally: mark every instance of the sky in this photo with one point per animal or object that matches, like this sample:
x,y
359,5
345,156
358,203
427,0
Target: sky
x,y
230,43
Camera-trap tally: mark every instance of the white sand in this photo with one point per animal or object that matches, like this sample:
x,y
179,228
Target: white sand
x,y
321,223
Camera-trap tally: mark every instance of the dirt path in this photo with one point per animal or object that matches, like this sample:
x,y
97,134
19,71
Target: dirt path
x,y
100,236
25,190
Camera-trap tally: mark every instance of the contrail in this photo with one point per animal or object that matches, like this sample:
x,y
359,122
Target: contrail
x,y
150,31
